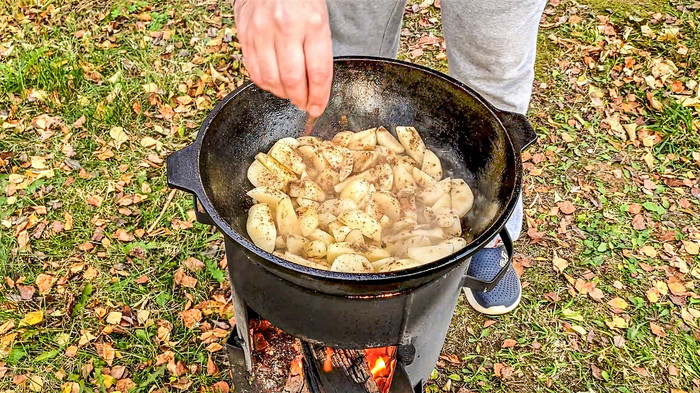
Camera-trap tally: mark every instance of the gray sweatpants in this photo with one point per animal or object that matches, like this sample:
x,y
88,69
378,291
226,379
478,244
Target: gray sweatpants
x,y
491,46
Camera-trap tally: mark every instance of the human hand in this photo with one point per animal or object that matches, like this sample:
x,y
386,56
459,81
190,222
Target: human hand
x,y
287,49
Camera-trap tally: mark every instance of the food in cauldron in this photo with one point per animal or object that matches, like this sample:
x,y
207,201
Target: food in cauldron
x,y
363,202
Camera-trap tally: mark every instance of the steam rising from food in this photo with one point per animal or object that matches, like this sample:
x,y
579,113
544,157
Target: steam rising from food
x,y
362,202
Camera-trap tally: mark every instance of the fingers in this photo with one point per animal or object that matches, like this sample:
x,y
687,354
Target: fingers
x,y
266,60
292,69
318,49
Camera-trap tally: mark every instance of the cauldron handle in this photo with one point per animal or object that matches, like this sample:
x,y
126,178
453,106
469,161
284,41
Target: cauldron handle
x,y
183,173
518,127
505,262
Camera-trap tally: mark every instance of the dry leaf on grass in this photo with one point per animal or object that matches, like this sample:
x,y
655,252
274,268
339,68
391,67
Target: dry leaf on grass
x,y
44,282
191,317
508,343
220,387
184,280
618,303
657,330
211,366
32,318
193,264
566,207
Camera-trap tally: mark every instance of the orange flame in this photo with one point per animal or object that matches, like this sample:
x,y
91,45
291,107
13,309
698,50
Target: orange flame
x,y
328,364
382,363
378,367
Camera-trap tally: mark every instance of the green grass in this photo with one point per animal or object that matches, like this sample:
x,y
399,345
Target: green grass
x,y
93,59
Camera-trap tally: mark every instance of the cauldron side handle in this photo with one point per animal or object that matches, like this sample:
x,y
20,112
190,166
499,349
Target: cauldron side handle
x,y
518,127
183,173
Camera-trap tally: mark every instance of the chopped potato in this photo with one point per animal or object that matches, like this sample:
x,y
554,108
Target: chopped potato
x,y
261,227
363,202
351,263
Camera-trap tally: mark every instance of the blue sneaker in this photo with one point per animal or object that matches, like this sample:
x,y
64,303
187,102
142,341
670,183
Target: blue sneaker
x,y
484,265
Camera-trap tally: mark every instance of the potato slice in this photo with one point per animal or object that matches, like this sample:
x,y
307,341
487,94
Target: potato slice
x,y
431,194
404,223
307,203
351,263
320,234
325,218
375,253
342,138
443,217
347,165
287,221
340,248
313,158
295,244
267,195
384,154
377,265
289,141
402,178
382,176
453,230
407,162
280,243
261,227
429,254
363,140
444,202
385,222
260,176
276,167
399,264
423,180
308,141
333,154
356,190
431,165
462,197
355,236
387,204
315,249
339,231
457,243
371,208
306,189
309,221
407,201
411,140
327,179
301,261
363,160
357,219
385,138
286,156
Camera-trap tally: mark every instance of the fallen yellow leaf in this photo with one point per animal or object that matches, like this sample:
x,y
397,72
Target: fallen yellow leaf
x,y
648,251
691,248
559,263
653,295
32,318
119,136
150,88
618,303
114,318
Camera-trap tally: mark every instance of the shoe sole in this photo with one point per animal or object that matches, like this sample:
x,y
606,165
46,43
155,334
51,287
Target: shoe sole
x,y
495,310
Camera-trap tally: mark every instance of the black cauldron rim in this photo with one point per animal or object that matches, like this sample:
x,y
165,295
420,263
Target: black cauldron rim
x,y
189,179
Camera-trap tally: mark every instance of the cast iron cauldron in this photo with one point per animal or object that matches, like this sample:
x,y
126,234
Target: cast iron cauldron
x,y
474,141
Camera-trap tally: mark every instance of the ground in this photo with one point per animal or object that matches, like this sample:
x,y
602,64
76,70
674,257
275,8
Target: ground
x,y
110,285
